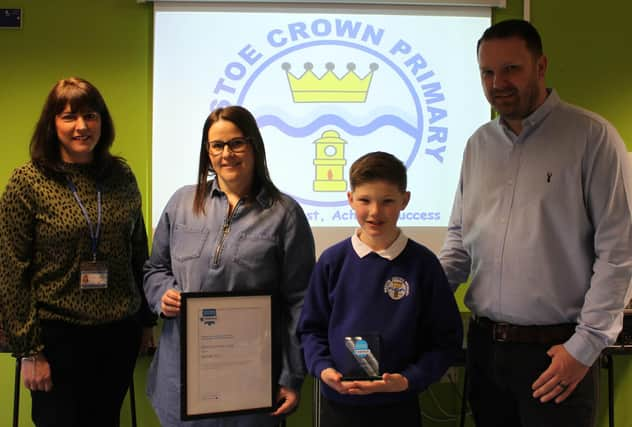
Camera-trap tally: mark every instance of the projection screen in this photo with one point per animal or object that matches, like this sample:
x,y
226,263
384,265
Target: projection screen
x,y
326,85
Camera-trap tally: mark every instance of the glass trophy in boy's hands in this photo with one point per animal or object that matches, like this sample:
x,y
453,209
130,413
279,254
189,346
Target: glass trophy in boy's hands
x,y
363,361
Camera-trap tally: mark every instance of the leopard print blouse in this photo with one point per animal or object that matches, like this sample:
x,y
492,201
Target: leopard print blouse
x,y
44,236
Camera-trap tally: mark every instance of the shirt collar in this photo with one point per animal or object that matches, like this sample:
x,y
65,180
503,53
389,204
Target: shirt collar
x,y
262,197
538,116
390,253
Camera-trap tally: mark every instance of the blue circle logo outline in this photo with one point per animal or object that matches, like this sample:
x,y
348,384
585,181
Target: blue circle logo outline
x,y
398,71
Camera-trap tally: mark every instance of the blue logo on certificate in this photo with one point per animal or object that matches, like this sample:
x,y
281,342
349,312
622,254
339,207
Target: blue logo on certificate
x,y
208,316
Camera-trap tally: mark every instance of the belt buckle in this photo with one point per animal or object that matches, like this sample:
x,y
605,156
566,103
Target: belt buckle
x,y
500,331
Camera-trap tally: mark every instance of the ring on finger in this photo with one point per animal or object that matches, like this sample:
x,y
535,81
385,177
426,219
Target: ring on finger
x,y
562,385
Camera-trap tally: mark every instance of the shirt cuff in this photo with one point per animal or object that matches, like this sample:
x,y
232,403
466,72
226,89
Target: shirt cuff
x,y
291,381
585,348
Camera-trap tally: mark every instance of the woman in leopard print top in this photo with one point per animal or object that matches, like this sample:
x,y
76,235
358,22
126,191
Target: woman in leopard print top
x,y
76,322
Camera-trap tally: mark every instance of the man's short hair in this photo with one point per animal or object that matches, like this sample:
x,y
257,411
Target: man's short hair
x,y
514,28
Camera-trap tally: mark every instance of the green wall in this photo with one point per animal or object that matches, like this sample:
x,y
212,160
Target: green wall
x,y
109,42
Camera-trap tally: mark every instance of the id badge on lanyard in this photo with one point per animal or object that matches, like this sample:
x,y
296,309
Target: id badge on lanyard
x,y
92,274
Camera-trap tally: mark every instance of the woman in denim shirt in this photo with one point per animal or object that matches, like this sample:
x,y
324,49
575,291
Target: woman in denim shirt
x,y
236,232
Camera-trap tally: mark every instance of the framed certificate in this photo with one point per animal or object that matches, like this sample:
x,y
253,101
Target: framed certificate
x,y
228,342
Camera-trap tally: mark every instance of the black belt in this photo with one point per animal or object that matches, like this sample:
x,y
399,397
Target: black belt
x,y
535,334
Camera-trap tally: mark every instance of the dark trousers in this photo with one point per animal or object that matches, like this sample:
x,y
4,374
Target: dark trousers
x,y
401,414
91,369
500,379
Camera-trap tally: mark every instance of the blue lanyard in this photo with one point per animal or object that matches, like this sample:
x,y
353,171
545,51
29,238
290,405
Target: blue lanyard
x,y
94,236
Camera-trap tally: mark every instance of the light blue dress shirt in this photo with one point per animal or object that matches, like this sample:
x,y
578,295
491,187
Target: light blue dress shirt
x,y
263,245
542,223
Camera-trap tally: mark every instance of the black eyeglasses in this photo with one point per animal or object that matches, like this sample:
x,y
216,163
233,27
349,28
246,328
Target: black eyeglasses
x,y
236,145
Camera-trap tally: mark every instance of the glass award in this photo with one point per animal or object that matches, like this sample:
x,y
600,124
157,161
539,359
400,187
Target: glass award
x,y
362,361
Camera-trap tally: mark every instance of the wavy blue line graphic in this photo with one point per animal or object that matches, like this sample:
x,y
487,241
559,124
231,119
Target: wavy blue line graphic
x,y
330,119
383,59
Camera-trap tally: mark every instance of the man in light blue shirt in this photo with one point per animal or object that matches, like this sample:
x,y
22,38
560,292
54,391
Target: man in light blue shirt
x,y
541,221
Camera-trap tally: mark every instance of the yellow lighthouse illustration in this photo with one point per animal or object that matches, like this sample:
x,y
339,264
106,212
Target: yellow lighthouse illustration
x,y
330,162
329,88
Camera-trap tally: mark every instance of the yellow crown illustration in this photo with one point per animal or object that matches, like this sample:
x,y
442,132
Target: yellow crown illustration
x,y
329,87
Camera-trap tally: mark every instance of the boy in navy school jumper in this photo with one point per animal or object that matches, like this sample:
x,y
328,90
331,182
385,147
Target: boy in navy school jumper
x,y
378,282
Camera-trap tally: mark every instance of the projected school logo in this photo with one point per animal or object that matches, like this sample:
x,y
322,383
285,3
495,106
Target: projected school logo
x,y
327,91
330,161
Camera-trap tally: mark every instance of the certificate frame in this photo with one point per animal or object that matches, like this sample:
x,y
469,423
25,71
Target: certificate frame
x,y
228,343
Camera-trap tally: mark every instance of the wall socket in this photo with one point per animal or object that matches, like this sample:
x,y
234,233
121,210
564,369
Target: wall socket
x,y
11,18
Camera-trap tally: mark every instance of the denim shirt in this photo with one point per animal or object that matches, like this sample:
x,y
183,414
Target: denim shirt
x,y
262,245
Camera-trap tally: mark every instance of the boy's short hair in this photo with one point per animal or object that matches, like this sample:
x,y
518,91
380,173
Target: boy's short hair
x,y
378,166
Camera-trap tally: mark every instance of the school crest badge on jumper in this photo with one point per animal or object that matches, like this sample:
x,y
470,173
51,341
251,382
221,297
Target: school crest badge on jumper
x,y
396,288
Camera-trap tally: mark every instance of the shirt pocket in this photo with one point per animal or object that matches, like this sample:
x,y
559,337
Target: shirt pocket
x,y
188,242
257,252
